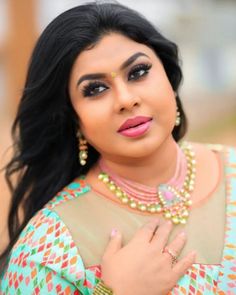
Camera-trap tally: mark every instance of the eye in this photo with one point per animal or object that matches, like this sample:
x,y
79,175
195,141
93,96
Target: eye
x,y
139,71
94,88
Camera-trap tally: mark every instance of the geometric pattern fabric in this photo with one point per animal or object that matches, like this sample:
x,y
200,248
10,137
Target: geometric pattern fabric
x,y
45,259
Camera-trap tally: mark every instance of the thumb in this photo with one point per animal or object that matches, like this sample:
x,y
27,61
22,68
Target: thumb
x,y
114,244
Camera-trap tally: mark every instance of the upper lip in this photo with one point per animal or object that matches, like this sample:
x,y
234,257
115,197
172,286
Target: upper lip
x,y
132,122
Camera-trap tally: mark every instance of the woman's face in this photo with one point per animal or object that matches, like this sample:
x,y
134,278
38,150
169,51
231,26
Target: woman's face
x,y
119,80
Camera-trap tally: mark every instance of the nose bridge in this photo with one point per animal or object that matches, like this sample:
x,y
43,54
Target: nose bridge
x,y
125,98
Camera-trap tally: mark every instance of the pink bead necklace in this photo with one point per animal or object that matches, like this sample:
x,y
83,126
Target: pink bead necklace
x,y
171,198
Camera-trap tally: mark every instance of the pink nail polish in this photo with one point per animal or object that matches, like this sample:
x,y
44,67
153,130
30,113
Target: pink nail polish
x,y
113,232
182,234
169,223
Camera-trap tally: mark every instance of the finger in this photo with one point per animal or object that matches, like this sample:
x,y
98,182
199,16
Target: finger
x,y
114,244
177,244
145,233
181,267
161,236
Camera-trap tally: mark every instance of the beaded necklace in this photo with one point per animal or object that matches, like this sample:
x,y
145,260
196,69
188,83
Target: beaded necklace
x,y
172,199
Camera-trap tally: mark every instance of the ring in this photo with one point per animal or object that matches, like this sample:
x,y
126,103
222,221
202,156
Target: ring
x,y
173,257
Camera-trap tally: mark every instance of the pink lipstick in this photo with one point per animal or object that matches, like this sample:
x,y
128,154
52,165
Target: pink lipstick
x,y
135,127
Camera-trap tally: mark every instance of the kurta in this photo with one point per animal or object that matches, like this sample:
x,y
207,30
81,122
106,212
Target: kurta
x,y
60,249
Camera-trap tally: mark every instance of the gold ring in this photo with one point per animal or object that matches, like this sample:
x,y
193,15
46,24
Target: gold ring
x,y
172,255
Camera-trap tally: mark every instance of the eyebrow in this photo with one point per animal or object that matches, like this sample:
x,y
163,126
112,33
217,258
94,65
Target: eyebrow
x,y
124,65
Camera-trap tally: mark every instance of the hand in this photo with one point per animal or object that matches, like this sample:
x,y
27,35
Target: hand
x,y
141,267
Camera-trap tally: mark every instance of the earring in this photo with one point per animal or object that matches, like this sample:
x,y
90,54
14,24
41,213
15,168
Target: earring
x,y
83,149
178,118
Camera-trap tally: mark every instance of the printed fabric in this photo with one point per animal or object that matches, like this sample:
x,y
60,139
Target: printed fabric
x,y
46,260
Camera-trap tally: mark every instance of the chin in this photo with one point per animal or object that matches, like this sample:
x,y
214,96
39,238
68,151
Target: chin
x,y
141,151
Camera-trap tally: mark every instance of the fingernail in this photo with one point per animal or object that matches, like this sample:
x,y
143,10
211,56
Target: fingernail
x,y
169,223
193,254
182,234
113,232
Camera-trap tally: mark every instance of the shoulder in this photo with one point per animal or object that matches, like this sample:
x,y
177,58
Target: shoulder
x,y
214,155
208,146
78,187
212,162
45,258
45,242
209,149
46,252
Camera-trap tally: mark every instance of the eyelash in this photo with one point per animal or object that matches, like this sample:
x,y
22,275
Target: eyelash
x,y
91,87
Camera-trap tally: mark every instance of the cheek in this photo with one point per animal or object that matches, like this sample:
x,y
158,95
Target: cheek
x,y
162,96
93,118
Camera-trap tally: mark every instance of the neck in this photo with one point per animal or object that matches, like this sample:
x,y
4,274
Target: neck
x,y
151,170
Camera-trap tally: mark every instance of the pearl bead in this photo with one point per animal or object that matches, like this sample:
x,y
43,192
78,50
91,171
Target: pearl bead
x,y
112,187
142,207
158,208
187,195
185,213
100,176
84,156
118,193
152,209
175,219
188,203
125,200
167,215
105,179
191,188
175,209
133,205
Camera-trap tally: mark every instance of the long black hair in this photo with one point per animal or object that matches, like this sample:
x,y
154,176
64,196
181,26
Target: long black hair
x,y
44,131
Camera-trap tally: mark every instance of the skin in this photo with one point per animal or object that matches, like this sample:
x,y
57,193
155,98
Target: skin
x,y
149,159
102,115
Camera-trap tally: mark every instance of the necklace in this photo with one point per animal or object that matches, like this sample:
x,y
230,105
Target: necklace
x,y
172,199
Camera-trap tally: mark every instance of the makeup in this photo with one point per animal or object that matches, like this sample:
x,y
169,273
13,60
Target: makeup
x,y
135,127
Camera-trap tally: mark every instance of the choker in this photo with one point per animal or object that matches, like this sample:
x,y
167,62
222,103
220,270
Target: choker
x,y
172,199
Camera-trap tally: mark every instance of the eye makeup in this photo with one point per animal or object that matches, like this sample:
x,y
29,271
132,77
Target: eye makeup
x,y
139,71
96,87
93,88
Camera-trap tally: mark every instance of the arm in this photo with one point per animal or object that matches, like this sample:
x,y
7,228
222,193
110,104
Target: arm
x,y
45,259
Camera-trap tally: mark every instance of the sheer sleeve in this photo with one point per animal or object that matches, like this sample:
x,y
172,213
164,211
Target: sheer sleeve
x,y
46,260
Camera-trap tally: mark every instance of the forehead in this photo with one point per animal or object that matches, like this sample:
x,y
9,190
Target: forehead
x,y
111,51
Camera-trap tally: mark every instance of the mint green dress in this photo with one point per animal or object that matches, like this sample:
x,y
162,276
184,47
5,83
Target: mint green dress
x,y
46,260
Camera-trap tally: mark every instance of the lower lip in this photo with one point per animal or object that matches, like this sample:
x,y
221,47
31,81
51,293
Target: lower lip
x,y
136,131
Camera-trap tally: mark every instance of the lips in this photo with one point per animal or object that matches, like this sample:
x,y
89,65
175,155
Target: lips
x,y
134,122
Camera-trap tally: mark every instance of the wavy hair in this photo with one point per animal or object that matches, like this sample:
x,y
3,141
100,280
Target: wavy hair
x,y
44,131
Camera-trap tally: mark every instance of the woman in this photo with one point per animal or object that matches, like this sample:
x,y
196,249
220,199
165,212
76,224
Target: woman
x,y
98,144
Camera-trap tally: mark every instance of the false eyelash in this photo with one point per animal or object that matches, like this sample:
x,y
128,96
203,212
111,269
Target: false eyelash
x,y
90,86
145,66
93,84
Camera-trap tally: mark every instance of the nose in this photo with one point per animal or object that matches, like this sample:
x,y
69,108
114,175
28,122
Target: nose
x,y
125,99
